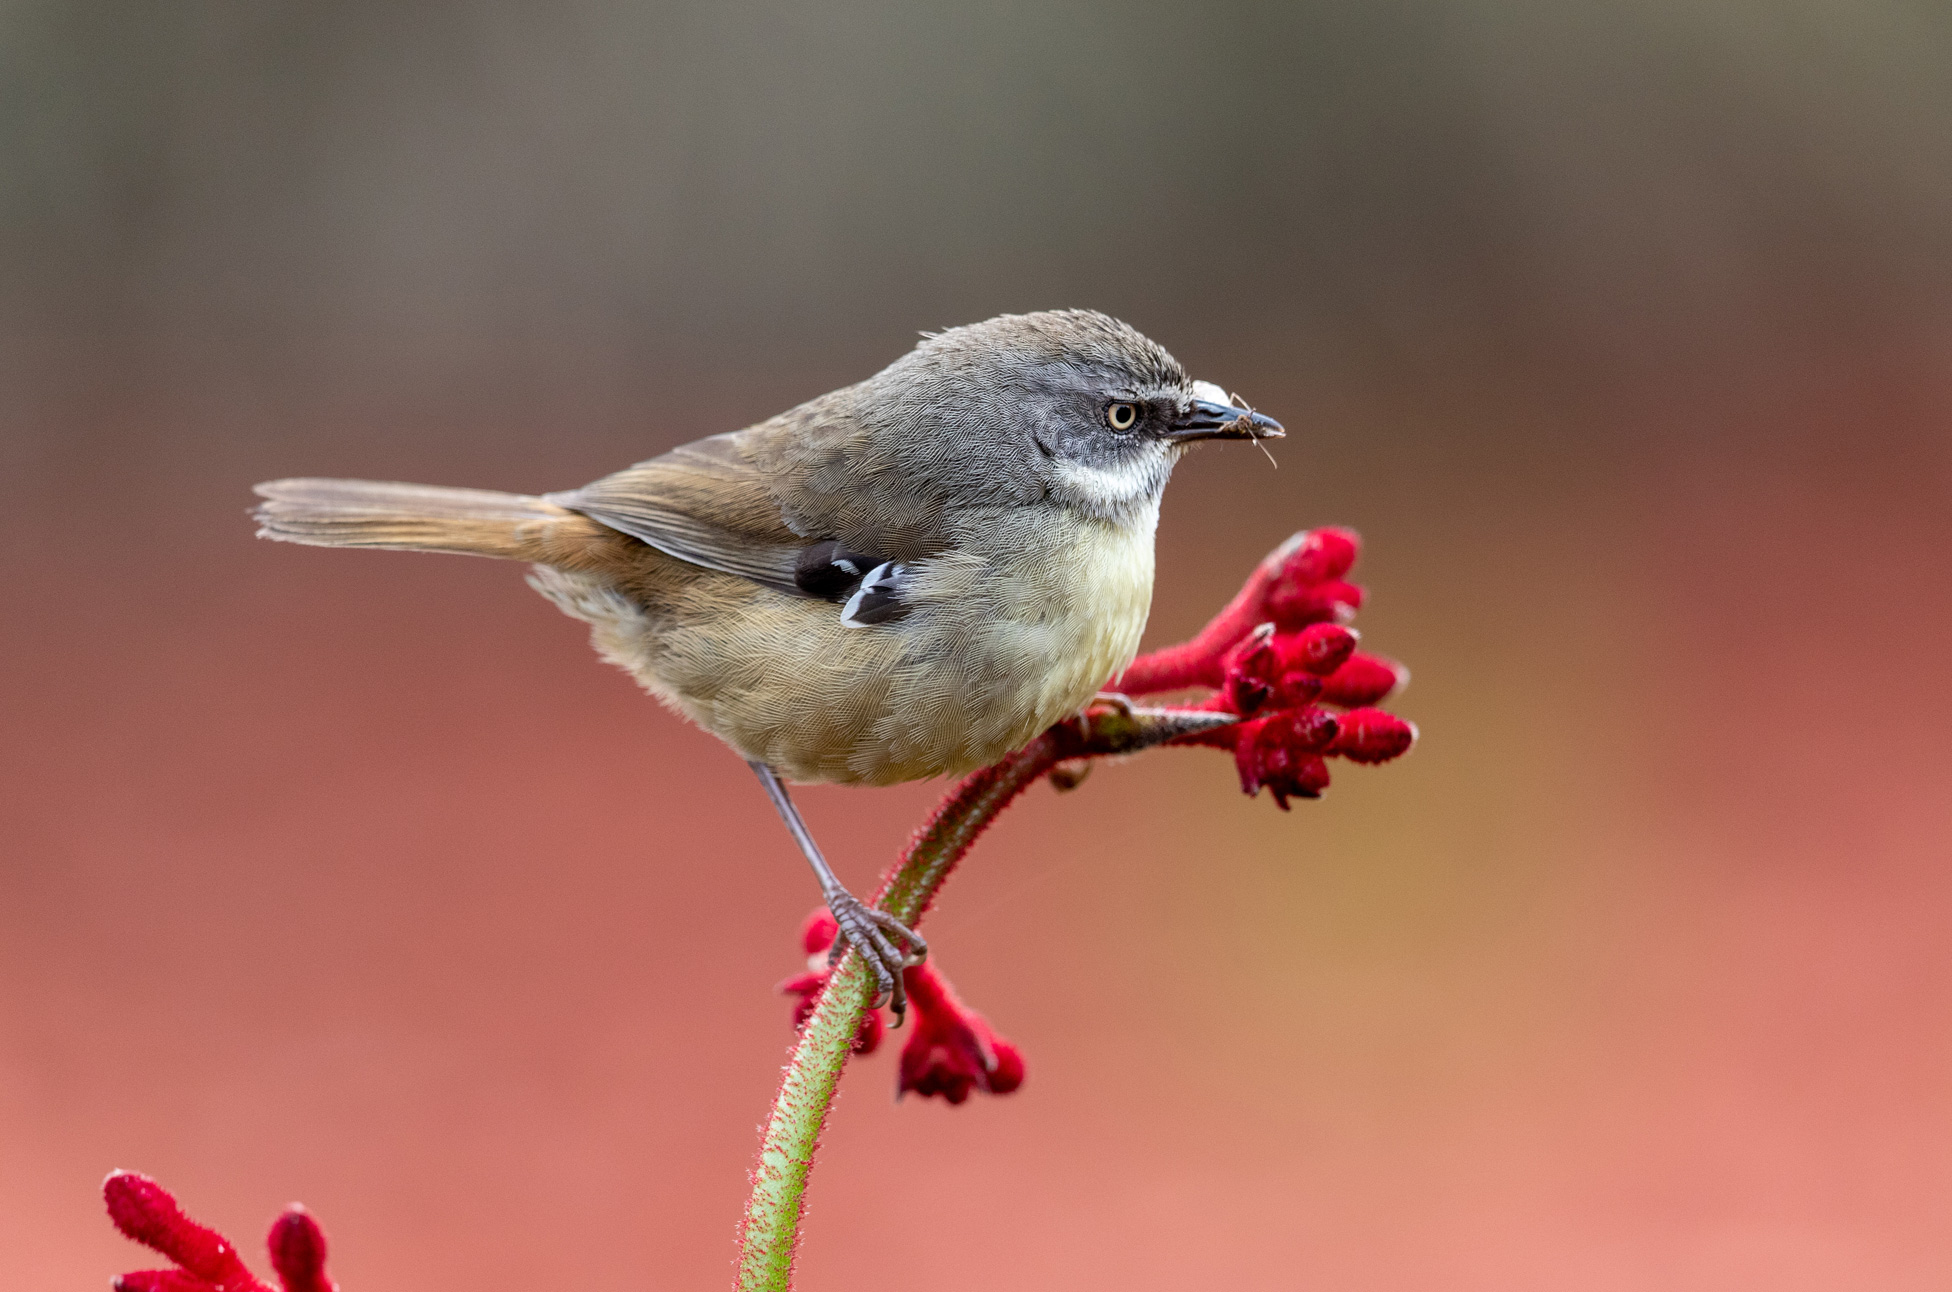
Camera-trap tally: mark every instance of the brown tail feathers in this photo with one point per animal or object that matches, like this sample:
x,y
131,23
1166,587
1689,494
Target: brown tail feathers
x,y
426,518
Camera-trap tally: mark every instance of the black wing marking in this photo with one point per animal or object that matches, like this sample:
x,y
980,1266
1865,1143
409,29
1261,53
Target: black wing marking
x,y
878,599
711,504
830,571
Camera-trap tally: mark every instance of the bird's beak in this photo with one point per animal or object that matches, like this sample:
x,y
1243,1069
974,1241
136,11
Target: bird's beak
x,y
1214,416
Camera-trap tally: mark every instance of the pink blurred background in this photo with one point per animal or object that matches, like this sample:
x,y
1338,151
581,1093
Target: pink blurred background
x,y
1620,331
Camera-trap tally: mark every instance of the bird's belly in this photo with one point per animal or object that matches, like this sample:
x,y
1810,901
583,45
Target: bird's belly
x,y
1004,655
993,652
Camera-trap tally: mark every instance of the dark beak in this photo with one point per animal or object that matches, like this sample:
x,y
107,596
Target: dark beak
x,y
1210,420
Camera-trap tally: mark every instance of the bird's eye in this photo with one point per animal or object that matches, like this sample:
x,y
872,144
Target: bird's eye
x,y
1121,416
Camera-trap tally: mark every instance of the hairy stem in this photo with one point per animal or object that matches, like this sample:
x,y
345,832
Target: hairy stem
x,y
779,1182
770,1233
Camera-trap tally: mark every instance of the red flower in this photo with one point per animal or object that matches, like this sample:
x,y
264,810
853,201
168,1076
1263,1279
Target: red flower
x,y
206,1261
1283,753
952,1050
1282,656
1308,588
816,937
298,1252
1285,669
1364,679
1317,556
1372,736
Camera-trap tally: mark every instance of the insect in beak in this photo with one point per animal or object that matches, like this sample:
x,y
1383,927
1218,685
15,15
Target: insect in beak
x,y
1212,416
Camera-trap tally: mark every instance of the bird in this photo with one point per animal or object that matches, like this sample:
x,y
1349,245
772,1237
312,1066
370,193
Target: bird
x,y
908,577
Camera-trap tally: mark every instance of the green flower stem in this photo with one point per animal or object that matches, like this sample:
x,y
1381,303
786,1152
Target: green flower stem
x,y
806,1092
770,1233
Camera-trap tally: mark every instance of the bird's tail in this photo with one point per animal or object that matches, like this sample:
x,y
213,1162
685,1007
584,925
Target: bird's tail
x,y
419,518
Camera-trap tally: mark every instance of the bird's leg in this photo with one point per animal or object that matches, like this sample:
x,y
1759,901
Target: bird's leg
x,y
872,933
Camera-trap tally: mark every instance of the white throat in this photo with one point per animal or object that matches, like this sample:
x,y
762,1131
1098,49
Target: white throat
x,y
1124,490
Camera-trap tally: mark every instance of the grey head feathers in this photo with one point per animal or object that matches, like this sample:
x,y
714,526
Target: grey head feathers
x,y
1015,410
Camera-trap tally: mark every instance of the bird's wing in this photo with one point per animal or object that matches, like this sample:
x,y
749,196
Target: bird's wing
x,y
803,503
704,502
836,480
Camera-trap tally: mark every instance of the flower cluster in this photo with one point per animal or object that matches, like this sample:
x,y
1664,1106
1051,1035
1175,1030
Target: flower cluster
x,y
951,1050
1281,662
205,1260
1283,658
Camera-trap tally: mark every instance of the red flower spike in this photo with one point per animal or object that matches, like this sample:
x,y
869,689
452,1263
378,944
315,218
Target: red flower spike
x,y
1252,669
1295,585
1321,555
952,1050
1363,680
1007,1075
1302,604
1305,731
1296,689
298,1252
1319,648
817,934
1284,669
1372,736
145,1211
1282,754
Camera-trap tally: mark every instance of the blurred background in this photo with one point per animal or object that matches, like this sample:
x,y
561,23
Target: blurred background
x,y
1620,330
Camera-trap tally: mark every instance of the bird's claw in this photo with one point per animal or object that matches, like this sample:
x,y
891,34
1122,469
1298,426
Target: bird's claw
x,y
1115,701
875,935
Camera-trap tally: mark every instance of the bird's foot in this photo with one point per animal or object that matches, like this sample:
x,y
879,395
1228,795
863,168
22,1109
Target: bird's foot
x,y
1113,700
876,935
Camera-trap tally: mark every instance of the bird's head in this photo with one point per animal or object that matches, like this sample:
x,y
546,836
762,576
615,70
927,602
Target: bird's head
x,y
1071,403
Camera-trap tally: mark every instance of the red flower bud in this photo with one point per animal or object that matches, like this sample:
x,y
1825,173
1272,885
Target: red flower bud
x,y
1251,668
1372,736
298,1252
1007,1075
1322,554
1307,731
818,932
1363,679
805,988
1319,648
1296,689
1282,754
145,1211
1295,605
953,1050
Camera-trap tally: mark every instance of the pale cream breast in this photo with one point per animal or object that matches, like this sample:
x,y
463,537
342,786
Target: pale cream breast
x,y
1014,628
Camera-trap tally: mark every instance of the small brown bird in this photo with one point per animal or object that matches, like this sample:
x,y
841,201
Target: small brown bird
x,y
908,577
